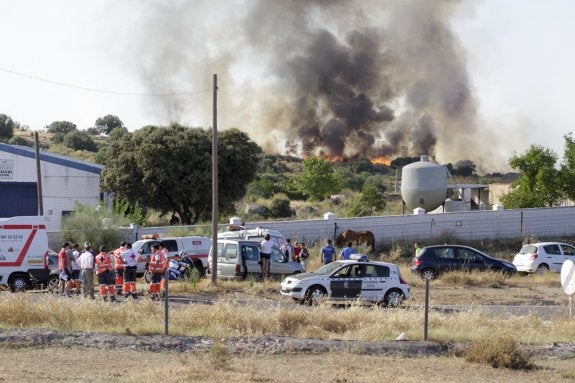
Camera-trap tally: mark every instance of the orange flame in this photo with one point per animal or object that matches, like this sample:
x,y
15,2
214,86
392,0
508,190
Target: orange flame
x,y
381,160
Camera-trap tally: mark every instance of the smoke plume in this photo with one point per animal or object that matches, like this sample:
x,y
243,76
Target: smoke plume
x,y
315,77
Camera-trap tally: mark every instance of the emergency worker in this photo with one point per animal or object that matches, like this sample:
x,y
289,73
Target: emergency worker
x,y
119,266
156,268
105,274
65,267
166,254
130,257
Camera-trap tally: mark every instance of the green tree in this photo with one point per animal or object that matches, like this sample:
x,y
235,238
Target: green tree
x,y
6,127
97,225
61,127
372,198
105,125
539,183
567,172
169,169
317,180
78,140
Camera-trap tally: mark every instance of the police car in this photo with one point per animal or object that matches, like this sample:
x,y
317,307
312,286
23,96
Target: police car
x,y
349,280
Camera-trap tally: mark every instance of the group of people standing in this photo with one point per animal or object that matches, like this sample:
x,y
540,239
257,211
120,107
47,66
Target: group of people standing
x,y
115,271
298,252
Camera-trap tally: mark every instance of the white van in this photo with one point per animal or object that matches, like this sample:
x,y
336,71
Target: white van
x,y
257,234
23,252
239,259
197,247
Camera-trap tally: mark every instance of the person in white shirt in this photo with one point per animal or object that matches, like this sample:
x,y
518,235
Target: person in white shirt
x,y
76,270
86,263
130,258
266,247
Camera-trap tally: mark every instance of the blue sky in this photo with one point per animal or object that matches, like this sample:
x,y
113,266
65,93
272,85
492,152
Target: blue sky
x,y
520,57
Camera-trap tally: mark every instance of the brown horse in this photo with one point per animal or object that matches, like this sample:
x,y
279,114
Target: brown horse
x,y
358,237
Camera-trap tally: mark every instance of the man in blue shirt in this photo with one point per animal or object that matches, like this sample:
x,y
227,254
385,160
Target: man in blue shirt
x,y
348,251
327,253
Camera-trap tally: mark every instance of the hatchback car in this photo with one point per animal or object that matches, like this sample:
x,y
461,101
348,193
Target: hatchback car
x,y
542,257
348,281
434,260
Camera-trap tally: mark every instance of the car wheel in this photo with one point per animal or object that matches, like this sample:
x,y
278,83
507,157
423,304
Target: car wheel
x,y
428,274
393,298
542,269
19,283
315,295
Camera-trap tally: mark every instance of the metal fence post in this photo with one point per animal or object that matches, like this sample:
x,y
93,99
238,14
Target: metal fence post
x,y
167,277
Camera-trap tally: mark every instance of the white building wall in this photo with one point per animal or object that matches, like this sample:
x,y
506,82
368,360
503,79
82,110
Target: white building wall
x,y
62,186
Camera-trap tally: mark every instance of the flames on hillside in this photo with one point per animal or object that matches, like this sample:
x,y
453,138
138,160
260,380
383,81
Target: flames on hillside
x,y
379,160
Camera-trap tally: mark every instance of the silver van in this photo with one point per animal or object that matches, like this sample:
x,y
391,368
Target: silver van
x,y
239,259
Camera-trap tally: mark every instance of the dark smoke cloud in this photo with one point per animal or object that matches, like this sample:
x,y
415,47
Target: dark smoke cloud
x,y
336,78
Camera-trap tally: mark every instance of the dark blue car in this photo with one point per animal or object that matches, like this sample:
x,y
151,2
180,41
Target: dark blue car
x,y
434,260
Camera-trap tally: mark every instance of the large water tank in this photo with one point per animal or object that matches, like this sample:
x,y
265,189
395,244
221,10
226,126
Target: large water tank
x,y
424,184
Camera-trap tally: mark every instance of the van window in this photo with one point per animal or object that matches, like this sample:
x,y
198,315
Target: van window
x,y
231,250
250,253
171,245
220,249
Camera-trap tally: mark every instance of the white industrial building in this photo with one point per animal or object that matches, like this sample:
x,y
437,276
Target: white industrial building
x,y
65,181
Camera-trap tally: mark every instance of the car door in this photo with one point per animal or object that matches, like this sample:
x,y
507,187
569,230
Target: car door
x,y
250,259
568,252
445,258
376,282
345,283
553,256
279,263
471,260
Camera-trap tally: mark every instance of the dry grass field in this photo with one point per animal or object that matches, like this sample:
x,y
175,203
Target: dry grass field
x,y
253,309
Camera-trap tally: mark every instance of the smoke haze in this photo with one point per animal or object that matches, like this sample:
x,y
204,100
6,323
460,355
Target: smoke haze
x,y
317,77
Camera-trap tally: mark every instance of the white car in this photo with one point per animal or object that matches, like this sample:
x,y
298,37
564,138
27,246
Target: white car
x,y
348,281
543,257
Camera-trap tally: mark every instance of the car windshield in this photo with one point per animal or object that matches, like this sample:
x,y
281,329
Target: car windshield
x,y
328,269
528,249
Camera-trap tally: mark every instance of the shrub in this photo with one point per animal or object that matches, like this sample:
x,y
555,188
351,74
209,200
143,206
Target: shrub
x,y
19,140
79,141
280,208
499,352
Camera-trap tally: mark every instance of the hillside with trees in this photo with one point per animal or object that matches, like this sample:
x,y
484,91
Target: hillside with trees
x,y
162,175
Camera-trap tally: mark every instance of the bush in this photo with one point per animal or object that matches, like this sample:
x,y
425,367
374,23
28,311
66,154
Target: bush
x,y
280,208
499,352
18,140
79,141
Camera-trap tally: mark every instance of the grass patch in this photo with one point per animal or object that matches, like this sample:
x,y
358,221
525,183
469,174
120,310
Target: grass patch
x,y
499,352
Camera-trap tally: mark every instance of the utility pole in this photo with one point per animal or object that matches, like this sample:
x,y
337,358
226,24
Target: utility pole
x,y
38,176
215,184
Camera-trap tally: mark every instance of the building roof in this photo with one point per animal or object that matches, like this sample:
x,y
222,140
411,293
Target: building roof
x,y
56,159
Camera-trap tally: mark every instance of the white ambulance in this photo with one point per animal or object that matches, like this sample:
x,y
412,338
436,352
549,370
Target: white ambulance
x,y
196,247
23,252
256,234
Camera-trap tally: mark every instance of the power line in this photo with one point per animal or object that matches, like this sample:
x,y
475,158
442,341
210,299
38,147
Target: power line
x,y
107,91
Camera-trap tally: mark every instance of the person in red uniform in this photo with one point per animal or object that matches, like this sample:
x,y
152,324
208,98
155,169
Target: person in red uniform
x,y
119,266
105,274
156,268
65,268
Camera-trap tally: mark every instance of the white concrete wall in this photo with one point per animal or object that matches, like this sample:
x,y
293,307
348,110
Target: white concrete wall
x,y
427,228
